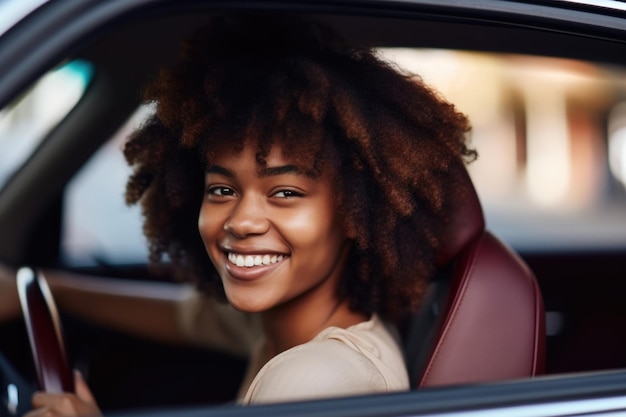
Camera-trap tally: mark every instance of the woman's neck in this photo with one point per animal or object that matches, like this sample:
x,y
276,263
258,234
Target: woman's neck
x,y
301,320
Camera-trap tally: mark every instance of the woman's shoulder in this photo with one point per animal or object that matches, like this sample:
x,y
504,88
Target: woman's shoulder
x,y
362,359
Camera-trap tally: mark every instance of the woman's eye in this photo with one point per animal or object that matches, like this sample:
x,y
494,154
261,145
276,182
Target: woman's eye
x,y
221,191
287,194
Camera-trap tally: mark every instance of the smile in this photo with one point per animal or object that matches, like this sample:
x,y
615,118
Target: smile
x,y
250,261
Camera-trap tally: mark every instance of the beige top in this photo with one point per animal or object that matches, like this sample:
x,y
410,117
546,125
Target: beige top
x,y
361,359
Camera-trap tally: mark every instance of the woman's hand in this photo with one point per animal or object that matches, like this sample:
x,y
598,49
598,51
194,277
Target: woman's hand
x,y
81,404
9,301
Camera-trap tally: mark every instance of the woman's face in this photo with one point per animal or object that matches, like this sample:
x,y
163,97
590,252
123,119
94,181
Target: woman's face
x,y
273,233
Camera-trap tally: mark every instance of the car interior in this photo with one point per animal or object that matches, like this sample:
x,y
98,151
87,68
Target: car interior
x,y
482,319
501,308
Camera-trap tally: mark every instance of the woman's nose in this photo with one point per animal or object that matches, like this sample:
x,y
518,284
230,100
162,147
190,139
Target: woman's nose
x,y
247,218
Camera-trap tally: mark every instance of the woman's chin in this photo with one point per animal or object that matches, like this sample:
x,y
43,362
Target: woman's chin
x,y
246,304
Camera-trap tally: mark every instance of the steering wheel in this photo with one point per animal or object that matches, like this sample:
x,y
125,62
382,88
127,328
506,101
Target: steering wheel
x,y
44,332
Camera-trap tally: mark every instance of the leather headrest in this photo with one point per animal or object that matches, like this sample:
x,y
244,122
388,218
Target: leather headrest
x,y
467,222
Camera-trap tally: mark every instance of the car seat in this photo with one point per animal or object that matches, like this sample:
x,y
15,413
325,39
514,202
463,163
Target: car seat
x,y
482,317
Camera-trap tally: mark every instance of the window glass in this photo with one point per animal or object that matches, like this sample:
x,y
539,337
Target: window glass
x,y
25,122
551,139
98,226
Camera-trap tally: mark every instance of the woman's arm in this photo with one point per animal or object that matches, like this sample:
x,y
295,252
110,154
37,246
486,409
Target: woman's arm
x,y
147,309
166,312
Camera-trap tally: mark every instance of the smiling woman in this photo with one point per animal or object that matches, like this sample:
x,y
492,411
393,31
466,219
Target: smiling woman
x,y
306,151
305,183
263,230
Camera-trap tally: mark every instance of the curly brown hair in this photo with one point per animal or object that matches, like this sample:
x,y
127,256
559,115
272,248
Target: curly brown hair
x,y
389,137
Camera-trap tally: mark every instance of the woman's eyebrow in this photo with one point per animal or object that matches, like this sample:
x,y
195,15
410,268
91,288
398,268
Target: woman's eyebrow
x,y
280,170
216,169
263,172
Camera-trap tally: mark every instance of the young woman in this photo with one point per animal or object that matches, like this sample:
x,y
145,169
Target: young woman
x,y
304,184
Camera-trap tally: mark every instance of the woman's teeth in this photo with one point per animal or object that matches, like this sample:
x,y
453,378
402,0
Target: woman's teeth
x,y
250,261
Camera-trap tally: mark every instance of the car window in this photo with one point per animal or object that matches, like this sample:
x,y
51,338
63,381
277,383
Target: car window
x,y
523,110
98,227
25,122
551,139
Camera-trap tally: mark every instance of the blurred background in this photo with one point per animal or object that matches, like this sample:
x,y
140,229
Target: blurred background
x,y
551,139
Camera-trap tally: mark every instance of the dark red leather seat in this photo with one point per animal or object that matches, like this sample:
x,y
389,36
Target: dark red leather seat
x,y
482,318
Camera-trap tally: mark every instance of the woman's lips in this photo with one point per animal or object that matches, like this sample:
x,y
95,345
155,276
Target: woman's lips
x,y
252,266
